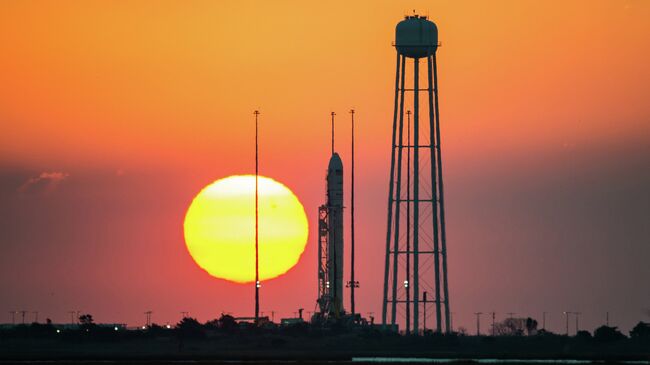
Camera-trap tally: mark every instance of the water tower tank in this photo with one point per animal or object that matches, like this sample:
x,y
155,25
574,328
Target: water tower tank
x,y
416,37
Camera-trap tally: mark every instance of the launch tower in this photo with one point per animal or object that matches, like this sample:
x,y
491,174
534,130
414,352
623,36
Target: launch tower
x,y
330,240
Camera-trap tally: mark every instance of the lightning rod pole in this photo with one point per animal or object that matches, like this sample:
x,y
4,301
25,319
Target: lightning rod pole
x,y
257,243
352,282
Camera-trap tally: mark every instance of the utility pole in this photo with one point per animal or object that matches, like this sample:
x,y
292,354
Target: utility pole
x,y
71,317
566,313
478,323
607,319
494,314
22,313
13,317
510,314
257,271
35,313
577,316
544,321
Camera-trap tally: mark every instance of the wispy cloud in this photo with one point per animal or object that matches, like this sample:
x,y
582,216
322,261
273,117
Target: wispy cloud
x,y
46,182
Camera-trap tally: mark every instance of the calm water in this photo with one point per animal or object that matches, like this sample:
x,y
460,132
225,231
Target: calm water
x,y
416,360
354,360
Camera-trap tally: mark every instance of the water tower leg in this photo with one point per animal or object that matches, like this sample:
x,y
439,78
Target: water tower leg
x,y
390,194
398,184
443,232
434,203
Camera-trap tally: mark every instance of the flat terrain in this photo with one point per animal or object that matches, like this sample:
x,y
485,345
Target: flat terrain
x,y
169,346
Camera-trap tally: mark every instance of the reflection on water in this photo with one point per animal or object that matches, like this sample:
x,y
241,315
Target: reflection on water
x,y
421,360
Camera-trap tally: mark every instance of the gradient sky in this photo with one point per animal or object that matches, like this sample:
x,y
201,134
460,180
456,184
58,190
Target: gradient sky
x,y
114,114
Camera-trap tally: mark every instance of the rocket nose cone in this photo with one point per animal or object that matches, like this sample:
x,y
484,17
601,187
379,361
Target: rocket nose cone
x,y
335,162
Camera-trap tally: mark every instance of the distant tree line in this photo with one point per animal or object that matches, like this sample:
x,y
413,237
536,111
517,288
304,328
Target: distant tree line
x,y
226,324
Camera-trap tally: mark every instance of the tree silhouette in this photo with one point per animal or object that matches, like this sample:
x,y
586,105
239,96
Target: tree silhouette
x,y
608,334
190,327
511,327
227,323
641,330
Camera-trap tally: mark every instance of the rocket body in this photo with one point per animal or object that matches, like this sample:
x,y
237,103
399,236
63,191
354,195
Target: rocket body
x,y
335,224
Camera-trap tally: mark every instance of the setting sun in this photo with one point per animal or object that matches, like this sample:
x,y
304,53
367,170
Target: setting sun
x,y
220,228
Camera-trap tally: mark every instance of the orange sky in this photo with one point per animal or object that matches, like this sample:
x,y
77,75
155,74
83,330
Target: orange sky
x,y
534,95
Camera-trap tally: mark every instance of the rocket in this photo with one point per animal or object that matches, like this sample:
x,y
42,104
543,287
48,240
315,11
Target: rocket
x,y
335,234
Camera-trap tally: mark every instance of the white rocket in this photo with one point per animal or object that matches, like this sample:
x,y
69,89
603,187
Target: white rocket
x,y
335,224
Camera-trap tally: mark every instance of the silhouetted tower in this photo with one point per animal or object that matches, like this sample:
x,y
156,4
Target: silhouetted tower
x,y
330,240
148,318
417,235
352,284
257,219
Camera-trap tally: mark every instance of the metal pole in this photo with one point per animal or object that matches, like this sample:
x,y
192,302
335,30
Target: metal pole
x,y
443,231
451,322
416,194
257,271
390,196
566,314
352,282
424,309
478,323
434,205
493,324
408,220
398,197
333,114
577,317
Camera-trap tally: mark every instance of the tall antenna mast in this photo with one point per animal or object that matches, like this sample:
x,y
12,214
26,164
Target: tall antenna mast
x,y
257,271
333,114
353,283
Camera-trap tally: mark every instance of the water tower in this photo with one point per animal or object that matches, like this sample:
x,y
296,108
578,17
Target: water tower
x,y
415,275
